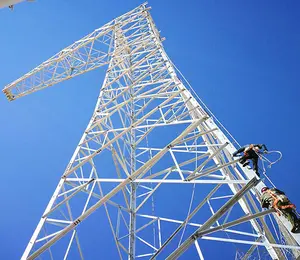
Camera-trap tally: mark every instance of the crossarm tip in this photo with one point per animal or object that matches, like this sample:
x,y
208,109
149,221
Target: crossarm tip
x,y
8,94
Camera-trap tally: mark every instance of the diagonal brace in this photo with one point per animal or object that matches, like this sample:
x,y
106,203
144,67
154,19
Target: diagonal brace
x,y
235,222
187,243
141,171
186,221
200,167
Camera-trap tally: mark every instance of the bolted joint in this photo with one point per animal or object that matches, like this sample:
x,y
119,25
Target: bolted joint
x,y
76,222
194,237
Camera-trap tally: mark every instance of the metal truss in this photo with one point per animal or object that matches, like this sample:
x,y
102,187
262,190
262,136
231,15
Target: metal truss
x,y
148,147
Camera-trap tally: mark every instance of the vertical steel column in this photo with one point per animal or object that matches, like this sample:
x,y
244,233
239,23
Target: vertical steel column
x,y
139,69
132,223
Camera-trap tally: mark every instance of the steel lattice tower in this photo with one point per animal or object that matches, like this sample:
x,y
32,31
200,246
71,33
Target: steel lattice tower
x,y
162,144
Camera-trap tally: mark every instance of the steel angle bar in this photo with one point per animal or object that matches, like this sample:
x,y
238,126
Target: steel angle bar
x,y
173,167
130,68
200,167
70,190
68,172
151,127
235,222
47,237
69,245
138,172
187,243
176,164
98,196
79,246
200,205
68,198
145,242
150,193
170,181
251,249
196,176
198,135
175,150
246,242
144,255
221,197
146,225
199,250
110,224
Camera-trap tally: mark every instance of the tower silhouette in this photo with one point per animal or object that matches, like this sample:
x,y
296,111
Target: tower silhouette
x,y
153,159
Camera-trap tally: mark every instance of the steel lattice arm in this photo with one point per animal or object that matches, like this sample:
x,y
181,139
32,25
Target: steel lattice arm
x,y
80,57
151,130
88,53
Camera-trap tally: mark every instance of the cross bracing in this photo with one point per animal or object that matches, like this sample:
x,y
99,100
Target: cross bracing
x,y
148,146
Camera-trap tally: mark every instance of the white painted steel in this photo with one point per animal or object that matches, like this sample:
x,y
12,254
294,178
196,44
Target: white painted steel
x,y
140,98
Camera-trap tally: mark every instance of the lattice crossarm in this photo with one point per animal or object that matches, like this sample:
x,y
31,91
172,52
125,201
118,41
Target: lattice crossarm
x,y
84,55
88,53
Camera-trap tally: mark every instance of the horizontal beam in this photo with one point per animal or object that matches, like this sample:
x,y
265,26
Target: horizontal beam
x,y
142,170
161,181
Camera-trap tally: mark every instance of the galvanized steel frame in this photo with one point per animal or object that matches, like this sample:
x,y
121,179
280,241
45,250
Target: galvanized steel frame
x,y
139,75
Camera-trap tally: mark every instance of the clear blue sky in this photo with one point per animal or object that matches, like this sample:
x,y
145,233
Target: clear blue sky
x,y
241,57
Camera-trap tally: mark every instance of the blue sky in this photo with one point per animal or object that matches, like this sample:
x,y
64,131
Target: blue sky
x,y
241,57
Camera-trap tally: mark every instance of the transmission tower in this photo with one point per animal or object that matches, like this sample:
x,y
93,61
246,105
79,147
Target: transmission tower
x,y
153,159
